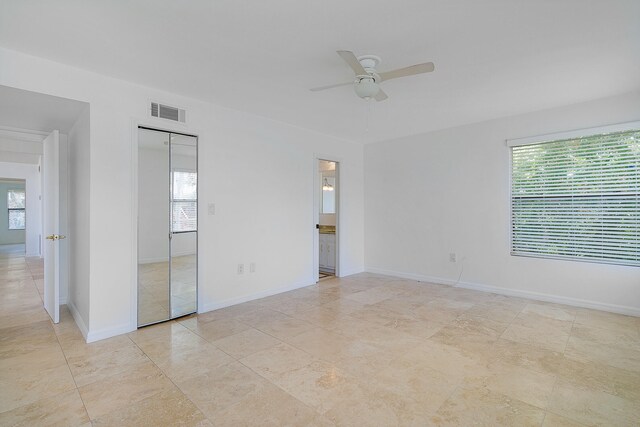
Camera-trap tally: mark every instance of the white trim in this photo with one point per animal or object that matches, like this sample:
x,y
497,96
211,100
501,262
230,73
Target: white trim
x,y
509,227
315,216
239,300
78,319
133,314
579,133
105,333
537,296
351,272
411,276
22,134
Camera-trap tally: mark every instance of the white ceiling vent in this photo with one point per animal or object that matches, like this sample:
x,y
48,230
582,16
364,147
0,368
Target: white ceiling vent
x,y
166,112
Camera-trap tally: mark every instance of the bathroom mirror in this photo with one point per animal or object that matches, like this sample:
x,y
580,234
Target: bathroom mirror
x,y
328,202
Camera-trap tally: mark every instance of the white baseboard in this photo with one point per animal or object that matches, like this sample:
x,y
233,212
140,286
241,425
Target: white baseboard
x,y
76,316
205,307
351,272
538,296
411,276
105,333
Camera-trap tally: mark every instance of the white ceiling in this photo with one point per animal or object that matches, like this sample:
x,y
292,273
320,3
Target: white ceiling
x,y
493,58
27,117
35,111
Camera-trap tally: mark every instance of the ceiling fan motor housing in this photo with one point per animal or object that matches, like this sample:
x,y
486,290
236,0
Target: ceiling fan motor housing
x,y
369,61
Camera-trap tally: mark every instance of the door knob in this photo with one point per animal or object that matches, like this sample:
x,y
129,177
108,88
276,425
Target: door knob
x,y
56,237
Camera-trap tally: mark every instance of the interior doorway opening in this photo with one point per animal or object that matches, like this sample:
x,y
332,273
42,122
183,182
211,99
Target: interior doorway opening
x,y
328,174
13,216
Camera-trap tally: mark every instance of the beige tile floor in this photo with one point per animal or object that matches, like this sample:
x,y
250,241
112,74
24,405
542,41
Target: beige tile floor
x,y
364,350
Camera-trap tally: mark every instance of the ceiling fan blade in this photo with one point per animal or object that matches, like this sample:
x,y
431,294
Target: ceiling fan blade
x,y
380,96
353,62
315,89
427,67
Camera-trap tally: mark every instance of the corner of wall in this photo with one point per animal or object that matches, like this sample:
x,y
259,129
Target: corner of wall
x,y
78,318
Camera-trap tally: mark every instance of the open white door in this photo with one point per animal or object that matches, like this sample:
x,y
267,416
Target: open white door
x,y
51,226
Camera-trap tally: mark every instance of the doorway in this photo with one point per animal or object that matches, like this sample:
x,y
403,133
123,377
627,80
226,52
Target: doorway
x,y
167,225
13,216
327,225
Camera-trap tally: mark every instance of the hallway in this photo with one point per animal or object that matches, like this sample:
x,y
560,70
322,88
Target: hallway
x,y
36,385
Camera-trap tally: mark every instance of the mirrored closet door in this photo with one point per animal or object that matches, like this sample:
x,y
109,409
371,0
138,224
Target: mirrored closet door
x,y
167,225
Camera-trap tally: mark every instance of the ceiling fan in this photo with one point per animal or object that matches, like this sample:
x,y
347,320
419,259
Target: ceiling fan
x,y
367,81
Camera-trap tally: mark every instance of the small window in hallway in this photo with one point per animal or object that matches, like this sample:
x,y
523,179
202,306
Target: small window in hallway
x,y
16,206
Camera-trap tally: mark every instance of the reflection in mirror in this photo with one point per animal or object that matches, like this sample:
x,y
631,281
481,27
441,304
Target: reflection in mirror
x,y
167,226
328,186
153,223
183,276
184,223
328,195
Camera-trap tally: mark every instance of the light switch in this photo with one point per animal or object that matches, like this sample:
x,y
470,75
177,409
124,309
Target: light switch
x,y
212,208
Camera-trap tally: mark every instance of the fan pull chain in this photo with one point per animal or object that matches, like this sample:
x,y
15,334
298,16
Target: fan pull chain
x,y
367,116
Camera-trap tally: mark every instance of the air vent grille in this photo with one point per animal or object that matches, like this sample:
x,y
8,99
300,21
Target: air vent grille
x,y
167,112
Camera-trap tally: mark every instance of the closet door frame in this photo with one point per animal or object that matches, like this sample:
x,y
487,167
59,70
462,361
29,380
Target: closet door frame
x,y
152,125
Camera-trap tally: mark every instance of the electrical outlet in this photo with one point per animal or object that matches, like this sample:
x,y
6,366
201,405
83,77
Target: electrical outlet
x,y
212,208
252,267
240,268
452,257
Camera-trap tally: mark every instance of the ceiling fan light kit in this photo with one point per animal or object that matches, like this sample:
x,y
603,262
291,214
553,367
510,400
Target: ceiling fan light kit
x,y
367,80
366,87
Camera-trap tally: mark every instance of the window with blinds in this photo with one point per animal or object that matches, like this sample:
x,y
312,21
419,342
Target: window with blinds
x,y
16,204
184,201
578,198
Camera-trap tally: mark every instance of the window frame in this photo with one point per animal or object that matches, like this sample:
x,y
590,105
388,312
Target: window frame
x,y
9,210
552,137
174,200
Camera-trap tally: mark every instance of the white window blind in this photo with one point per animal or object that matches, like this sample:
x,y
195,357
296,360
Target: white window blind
x,y
578,198
16,207
185,201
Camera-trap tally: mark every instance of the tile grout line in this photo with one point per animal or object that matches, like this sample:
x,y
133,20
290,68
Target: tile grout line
x,y
66,362
166,376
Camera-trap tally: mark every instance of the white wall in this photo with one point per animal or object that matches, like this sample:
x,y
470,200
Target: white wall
x,y
31,176
258,172
78,220
448,191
